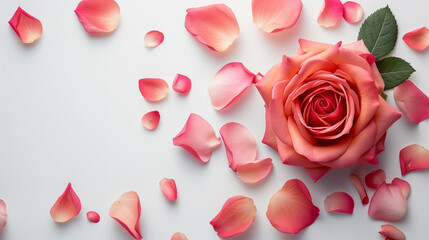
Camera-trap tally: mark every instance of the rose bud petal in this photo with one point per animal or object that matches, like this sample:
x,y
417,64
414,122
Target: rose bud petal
x,y
66,207
353,12
360,188
412,102
413,157
388,203
98,16
3,215
403,185
375,178
182,84
391,232
417,39
255,171
339,202
126,211
93,217
153,89
330,14
150,120
153,39
228,84
214,26
235,217
198,138
27,27
275,15
168,188
179,236
291,209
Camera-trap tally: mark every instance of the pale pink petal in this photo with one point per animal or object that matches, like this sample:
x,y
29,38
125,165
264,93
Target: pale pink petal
x,y
360,188
353,12
291,209
417,39
228,84
98,16
317,172
198,138
388,203
153,39
126,211
413,157
236,215
182,84
391,232
214,26
339,202
255,171
412,101
168,188
150,120
153,89
375,178
27,27
67,206
93,217
179,236
330,14
403,185
275,15
3,215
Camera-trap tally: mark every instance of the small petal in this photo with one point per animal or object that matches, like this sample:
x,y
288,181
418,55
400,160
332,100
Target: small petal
x,y
258,77
339,202
214,26
198,138
255,171
388,203
275,15
391,232
179,236
228,84
3,215
67,206
153,39
27,27
153,89
403,185
360,188
353,12
417,39
330,14
150,120
413,157
412,102
235,217
126,211
168,188
182,84
375,178
98,16
93,217
291,209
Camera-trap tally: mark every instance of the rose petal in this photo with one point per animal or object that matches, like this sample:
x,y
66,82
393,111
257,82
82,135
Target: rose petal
x,y
339,202
269,137
317,172
360,188
198,138
417,39
388,203
150,120
98,16
391,232
168,188
3,215
66,207
126,211
258,77
182,84
375,178
153,89
214,26
291,209
228,84
330,14
412,102
255,171
275,15
93,217
179,236
236,215
153,39
353,12
413,157
27,27
403,185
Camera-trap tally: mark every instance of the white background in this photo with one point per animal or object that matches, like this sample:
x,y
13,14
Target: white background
x,y
71,110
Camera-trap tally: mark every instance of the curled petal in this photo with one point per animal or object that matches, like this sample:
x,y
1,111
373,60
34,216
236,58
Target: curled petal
x,y
150,120
168,188
330,14
214,26
403,185
353,12
67,206
93,217
179,236
375,178
182,84
27,27
388,203
275,15
198,138
228,84
153,89
412,102
360,188
339,202
126,211
3,215
255,171
98,16
391,232
417,39
291,209
413,157
236,215
153,39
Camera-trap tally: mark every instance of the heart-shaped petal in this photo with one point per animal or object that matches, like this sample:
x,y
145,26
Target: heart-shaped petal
x,y
98,16
339,202
388,203
417,39
153,89
126,211
67,206
412,102
275,15
27,27
413,157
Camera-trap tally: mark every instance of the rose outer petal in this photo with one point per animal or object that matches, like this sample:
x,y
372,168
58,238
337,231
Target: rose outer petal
x,y
27,27
391,232
339,202
153,39
412,102
98,16
255,171
126,211
413,157
93,217
3,215
67,206
179,236
330,14
417,39
375,178
153,89
388,203
275,15
360,188
168,188
353,12
182,84
150,120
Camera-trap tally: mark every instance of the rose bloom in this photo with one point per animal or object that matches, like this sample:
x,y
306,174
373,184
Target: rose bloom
x,y
324,109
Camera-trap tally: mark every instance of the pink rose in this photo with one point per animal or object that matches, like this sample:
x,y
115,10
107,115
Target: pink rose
x,y
323,108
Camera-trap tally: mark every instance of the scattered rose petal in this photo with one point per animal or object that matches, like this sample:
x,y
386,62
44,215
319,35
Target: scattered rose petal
x,y
27,27
330,14
360,188
150,120
153,39
228,84
98,16
3,215
168,188
93,217
391,232
275,15
388,203
412,102
179,236
339,202
403,185
182,84
291,209
417,39
126,211
236,215
353,12
67,206
198,138
255,171
214,26
375,178
413,157
153,89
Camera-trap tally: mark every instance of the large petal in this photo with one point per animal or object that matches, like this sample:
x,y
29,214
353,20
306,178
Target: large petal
x,y
412,101
375,178
413,157
153,89
353,12
388,203
150,120
98,16
339,202
168,188
3,215
391,232
153,39
182,84
67,206
27,27
330,14
179,236
417,39
275,15
255,171
360,188
126,210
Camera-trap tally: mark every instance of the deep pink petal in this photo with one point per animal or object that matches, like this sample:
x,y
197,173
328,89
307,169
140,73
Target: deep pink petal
x,y
360,188
153,39
391,232
27,27
375,178
150,120
168,188
339,202
255,171
353,12
126,211
236,215
388,203
330,14
66,207
417,39
275,15
317,172
412,102
93,217
98,16
403,185
413,157
182,84
3,215
179,236
153,89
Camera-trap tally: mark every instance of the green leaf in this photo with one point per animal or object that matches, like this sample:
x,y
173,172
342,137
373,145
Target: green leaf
x,y
379,32
394,71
